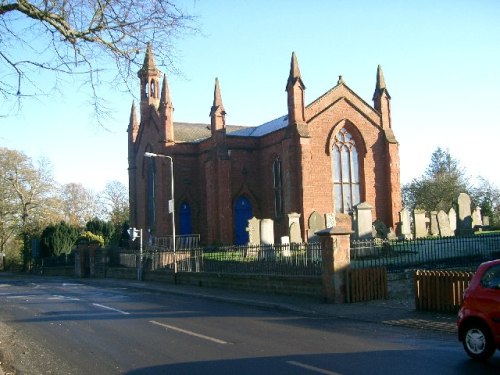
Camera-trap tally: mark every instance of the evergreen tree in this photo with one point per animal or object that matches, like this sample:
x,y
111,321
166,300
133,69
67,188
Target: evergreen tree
x,y
439,187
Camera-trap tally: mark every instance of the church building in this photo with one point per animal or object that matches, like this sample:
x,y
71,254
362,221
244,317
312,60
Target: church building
x,y
314,161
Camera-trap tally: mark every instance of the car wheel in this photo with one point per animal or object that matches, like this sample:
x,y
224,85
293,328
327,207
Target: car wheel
x,y
478,342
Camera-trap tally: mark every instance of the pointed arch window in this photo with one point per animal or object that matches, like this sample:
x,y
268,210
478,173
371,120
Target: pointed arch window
x,y
278,188
345,165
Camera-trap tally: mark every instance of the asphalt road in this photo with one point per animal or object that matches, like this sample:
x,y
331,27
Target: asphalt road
x,y
59,326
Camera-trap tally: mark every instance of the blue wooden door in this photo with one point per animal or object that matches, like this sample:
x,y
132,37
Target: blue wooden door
x,y
186,226
242,213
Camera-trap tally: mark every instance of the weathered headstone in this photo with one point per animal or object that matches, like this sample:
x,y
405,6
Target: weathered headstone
x,y
295,236
363,223
434,224
486,221
330,220
266,239
476,218
420,224
452,216
315,224
267,232
444,224
464,213
294,227
253,230
405,224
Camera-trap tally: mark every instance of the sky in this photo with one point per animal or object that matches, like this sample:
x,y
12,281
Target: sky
x,y
441,62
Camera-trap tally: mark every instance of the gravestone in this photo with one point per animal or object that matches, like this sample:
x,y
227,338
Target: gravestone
x,y
330,220
486,221
266,239
405,227
420,223
285,246
444,224
434,224
253,230
294,227
315,224
464,222
452,216
295,233
267,232
363,223
476,218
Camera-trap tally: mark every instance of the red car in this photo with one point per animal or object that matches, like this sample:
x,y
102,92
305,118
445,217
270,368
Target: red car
x,y
479,317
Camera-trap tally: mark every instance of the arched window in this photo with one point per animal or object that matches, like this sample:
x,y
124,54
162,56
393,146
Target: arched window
x,y
345,172
151,198
278,188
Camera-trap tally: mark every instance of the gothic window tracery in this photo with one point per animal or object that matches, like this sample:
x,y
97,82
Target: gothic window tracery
x,y
345,167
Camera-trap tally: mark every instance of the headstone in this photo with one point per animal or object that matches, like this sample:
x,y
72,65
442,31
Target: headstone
x,y
476,218
253,230
295,233
486,221
434,224
267,232
330,220
363,224
405,223
266,239
420,224
452,216
315,224
464,223
285,246
444,224
294,227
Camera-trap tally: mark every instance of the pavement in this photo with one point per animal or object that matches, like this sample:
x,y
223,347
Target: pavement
x,y
395,311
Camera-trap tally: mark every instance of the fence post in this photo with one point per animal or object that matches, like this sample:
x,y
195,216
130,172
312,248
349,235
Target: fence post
x,y
335,252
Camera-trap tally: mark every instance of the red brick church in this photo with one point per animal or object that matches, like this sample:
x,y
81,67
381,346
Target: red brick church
x,y
321,158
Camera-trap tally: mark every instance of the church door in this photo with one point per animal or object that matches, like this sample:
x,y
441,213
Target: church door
x,y
185,219
242,213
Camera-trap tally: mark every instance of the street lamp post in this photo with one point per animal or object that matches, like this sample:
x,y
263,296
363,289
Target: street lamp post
x,y
171,203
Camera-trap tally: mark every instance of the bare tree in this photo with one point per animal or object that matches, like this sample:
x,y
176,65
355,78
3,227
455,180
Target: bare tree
x,y
79,204
83,37
115,198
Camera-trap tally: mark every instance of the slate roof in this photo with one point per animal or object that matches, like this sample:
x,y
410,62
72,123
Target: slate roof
x,y
195,132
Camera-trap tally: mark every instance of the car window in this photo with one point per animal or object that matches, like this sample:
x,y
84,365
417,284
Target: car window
x,y
491,278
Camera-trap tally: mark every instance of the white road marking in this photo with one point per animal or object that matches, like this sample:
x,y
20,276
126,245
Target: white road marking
x,y
213,339
111,308
26,296
58,297
312,368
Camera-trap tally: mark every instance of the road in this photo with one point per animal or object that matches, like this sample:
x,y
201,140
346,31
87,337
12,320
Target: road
x,y
63,326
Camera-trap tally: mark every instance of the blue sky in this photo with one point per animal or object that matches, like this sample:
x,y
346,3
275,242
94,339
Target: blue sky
x,y
441,61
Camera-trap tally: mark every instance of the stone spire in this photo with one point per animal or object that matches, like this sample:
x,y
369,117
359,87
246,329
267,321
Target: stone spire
x,y
295,88
166,110
133,125
382,99
217,113
150,81
380,85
